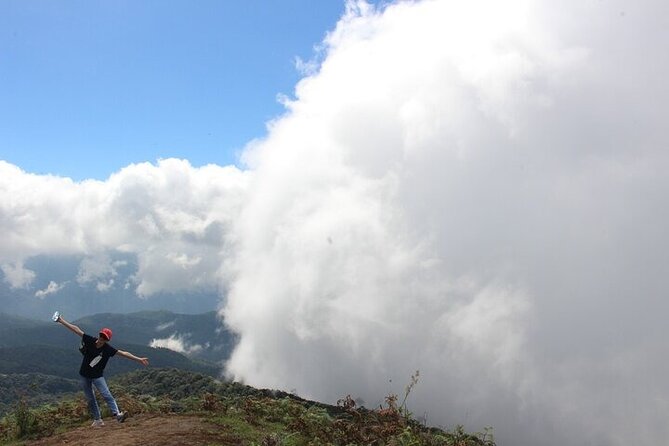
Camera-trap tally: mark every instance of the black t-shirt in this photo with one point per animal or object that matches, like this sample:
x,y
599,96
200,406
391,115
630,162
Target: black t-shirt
x,y
95,359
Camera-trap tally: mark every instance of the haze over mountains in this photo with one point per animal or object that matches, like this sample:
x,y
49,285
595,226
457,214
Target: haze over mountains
x,y
81,285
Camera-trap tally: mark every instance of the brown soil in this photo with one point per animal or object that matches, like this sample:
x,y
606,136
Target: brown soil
x,y
145,430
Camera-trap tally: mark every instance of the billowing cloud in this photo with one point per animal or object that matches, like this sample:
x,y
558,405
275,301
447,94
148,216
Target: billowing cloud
x,y
177,343
52,288
171,216
476,190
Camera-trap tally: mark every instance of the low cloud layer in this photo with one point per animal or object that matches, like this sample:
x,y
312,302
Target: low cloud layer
x,y
473,189
177,343
52,288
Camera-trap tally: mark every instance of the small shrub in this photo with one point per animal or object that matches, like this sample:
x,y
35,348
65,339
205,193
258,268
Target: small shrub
x,y
26,423
211,402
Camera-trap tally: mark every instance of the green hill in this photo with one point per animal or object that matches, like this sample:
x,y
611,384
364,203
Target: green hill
x,y
34,388
65,362
38,333
11,322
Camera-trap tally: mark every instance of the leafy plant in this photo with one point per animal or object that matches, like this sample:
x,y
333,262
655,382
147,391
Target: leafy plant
x,y
25,419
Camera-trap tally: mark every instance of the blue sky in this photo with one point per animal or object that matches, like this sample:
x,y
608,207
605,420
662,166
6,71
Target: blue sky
x,y
88,87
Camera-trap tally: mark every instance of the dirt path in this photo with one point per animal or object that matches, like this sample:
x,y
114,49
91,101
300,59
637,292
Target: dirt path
x,y
146,430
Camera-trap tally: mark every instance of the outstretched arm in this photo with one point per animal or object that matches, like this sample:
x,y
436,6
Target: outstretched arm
x,y
73,328
143,361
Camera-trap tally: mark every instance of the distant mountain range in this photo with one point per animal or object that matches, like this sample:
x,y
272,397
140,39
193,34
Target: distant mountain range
x,y
40,360
198,336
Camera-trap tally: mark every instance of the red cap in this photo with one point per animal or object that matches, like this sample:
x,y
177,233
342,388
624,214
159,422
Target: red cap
x,y
107,333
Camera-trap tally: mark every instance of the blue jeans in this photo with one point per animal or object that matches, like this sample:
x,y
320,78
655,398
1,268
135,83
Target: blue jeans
x,y
101,385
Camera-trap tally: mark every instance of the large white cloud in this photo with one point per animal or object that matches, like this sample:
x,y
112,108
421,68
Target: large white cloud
x,y
476,190
172,216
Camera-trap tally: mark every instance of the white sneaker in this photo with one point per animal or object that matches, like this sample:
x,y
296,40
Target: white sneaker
x,y
98,423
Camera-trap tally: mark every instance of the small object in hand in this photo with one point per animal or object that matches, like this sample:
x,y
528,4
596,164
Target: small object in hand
x,y
55,316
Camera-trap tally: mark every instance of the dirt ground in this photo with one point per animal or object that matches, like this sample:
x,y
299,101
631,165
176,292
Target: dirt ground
x,y
145,430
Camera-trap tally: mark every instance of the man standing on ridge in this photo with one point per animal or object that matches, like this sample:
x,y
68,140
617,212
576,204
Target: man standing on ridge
x,y
96,353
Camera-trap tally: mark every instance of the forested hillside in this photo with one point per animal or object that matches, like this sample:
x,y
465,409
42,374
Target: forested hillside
x,y
40,360
34,388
